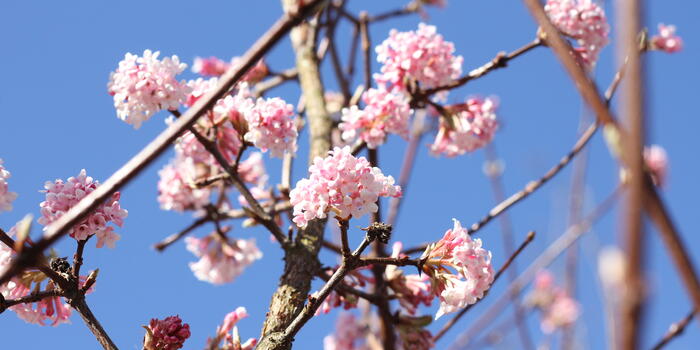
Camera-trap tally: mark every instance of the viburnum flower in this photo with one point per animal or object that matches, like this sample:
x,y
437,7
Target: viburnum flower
x,y
583,20
271,126
45,312
6,197
175,187
142,86
557,307
656,160
61,196
421,56
221,262
349,334
198,88
225,137
252,170
214,66
667,40
340,183
457,250
385,112
411,290
166,334
232,341
471,126
413,335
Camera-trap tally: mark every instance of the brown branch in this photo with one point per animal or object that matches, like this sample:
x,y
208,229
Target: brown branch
x,y
653,203
126,173
275,81
78,258
631,306
31,298
92,323
500,61
511,259
301,262
411,8
335,58
366,46
674,330
569,237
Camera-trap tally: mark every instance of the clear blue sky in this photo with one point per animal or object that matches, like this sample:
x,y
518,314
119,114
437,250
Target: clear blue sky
x,y
57,118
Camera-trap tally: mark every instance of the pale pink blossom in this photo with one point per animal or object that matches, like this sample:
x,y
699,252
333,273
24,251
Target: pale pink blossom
x,y
166,334
232,340
142,86
472,125
584,21
225,137
349,334
6,197
346,185
176,190
271,126
557,307
214,66
667,40
458,251
61,196
656,160
198,88
413,337
412,290
252,170
45,312
385,112
421,56
221,262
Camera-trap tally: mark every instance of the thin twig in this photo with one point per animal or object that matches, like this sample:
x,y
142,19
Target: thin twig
x,y
674,330
511,259
126,173
411,8
571,235
31,298
500,61
653,203
366,46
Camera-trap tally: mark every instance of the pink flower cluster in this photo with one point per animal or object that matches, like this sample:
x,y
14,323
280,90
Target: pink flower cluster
x,y
558,308
166,334
232,341
583,20
346,185
221,262
471,125
421,56
412,290
349,334
656,160
61,196
6,197
142,86
385,112
46,312
457,250
271,126
214,66
175,187
667,40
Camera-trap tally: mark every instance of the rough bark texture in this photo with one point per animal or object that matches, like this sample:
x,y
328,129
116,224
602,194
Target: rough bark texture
x,y
301,260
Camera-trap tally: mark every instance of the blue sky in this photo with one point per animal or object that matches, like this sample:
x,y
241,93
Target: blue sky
x,y
57,118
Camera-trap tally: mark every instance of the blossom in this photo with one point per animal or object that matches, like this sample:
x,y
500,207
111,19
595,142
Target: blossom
x,y
472,263
656,160
214,66
166,334
557,307
348,333
252,170
471,126
198,88
231,340
583,20
421,56
226,138
6,197
347,185
221,262
175,189
385,112
50,309
272,127
411,290
61,196
142,86
667,40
